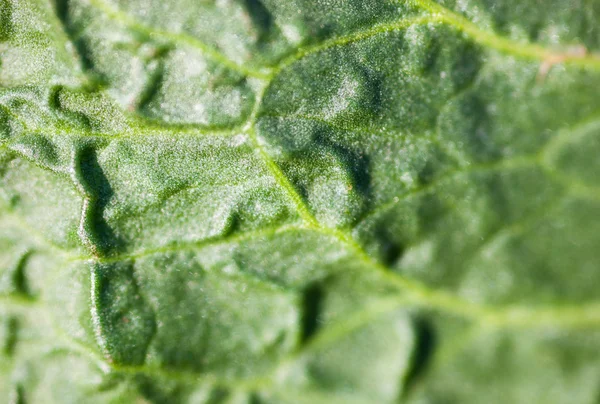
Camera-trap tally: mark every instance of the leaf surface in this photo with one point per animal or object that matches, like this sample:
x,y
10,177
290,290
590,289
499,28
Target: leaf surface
x,y
299,202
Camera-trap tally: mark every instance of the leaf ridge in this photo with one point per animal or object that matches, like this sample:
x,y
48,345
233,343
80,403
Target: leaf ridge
x,y
217,240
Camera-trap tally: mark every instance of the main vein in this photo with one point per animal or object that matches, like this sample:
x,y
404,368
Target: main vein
x,y
493,40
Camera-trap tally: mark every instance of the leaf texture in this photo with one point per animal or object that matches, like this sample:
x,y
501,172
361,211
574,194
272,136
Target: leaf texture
x,y
301,201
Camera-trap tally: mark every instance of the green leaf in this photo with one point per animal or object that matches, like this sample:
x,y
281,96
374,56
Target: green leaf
x,y
301,201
